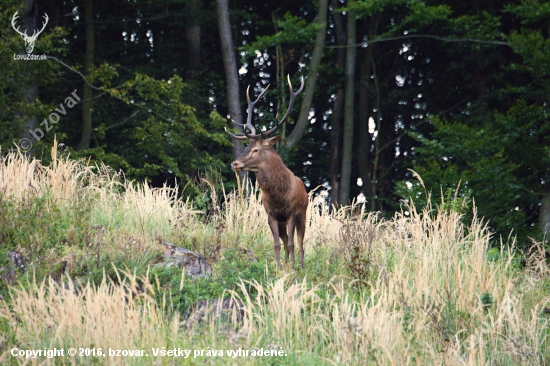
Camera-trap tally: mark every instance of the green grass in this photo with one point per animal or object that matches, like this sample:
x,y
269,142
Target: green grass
x,y
423,288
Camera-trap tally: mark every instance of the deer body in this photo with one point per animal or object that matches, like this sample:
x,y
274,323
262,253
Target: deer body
x,y
284,195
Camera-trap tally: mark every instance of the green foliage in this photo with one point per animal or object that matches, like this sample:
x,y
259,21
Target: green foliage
x,y
242,265
421,15
105,74
293,30
323,263
530,11
161,130
41,232
27,225
492,152
535,52
483,27
418,14
146,122
235,267
445,316
487,300
115,268
493,164
365,8
357,243
452,202
156,118
15,107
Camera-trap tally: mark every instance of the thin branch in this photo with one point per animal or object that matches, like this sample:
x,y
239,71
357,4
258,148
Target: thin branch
x,y
126,120
386,172
389,143
92,98
474,40
123,121
534,193
96,88
457,104
131,20
75,71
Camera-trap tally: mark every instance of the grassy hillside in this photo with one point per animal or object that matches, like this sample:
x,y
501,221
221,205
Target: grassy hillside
x,y
423,288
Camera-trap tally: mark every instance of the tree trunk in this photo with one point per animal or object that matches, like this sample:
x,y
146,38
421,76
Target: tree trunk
x,y
336,117
363,150
231,69
193,37
87,105
377,145
347,145
544,215
335,146
29,20
280,74
364,161
316,56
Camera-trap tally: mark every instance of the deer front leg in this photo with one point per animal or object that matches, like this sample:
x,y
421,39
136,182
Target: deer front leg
x,y
284,237
274,226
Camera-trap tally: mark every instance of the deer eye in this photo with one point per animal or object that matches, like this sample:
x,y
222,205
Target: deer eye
x,y
255,150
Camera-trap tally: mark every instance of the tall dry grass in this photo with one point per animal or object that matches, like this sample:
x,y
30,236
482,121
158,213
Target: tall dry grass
x,y
22,177
424,306
123,211
429,293
48,315
435,299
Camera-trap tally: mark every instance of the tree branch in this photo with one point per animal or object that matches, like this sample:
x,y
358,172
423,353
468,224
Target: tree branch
x,y
96,88
75,71
474,40
123,121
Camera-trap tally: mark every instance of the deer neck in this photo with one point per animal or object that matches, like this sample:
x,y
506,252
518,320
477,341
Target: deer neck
x,y
273,176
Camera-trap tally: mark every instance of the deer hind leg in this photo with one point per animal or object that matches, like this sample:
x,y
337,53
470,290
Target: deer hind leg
x,y
291,224
283,235
301,231
274,226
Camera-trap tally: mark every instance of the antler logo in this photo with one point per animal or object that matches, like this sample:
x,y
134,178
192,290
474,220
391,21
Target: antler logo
x,y
29,40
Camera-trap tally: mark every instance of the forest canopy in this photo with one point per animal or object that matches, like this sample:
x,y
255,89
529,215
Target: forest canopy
x,y
404,99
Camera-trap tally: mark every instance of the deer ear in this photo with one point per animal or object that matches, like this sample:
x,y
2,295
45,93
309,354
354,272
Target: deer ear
x,y
271,141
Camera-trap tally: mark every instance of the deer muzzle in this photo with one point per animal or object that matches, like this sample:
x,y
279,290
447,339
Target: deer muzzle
x,y
237,165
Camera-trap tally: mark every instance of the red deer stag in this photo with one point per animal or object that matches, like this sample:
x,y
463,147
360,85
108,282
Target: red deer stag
x,y
284,195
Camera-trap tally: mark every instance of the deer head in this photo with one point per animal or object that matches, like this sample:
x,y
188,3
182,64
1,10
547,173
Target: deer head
x,y
29,40
255,154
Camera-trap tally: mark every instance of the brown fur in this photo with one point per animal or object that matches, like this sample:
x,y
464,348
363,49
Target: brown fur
x,y
284,195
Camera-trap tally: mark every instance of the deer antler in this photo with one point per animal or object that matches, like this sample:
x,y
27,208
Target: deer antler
x,y
35,34
290,105
13,20
250,111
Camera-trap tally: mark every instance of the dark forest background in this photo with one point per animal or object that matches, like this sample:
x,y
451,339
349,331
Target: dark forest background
x,y
454,91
